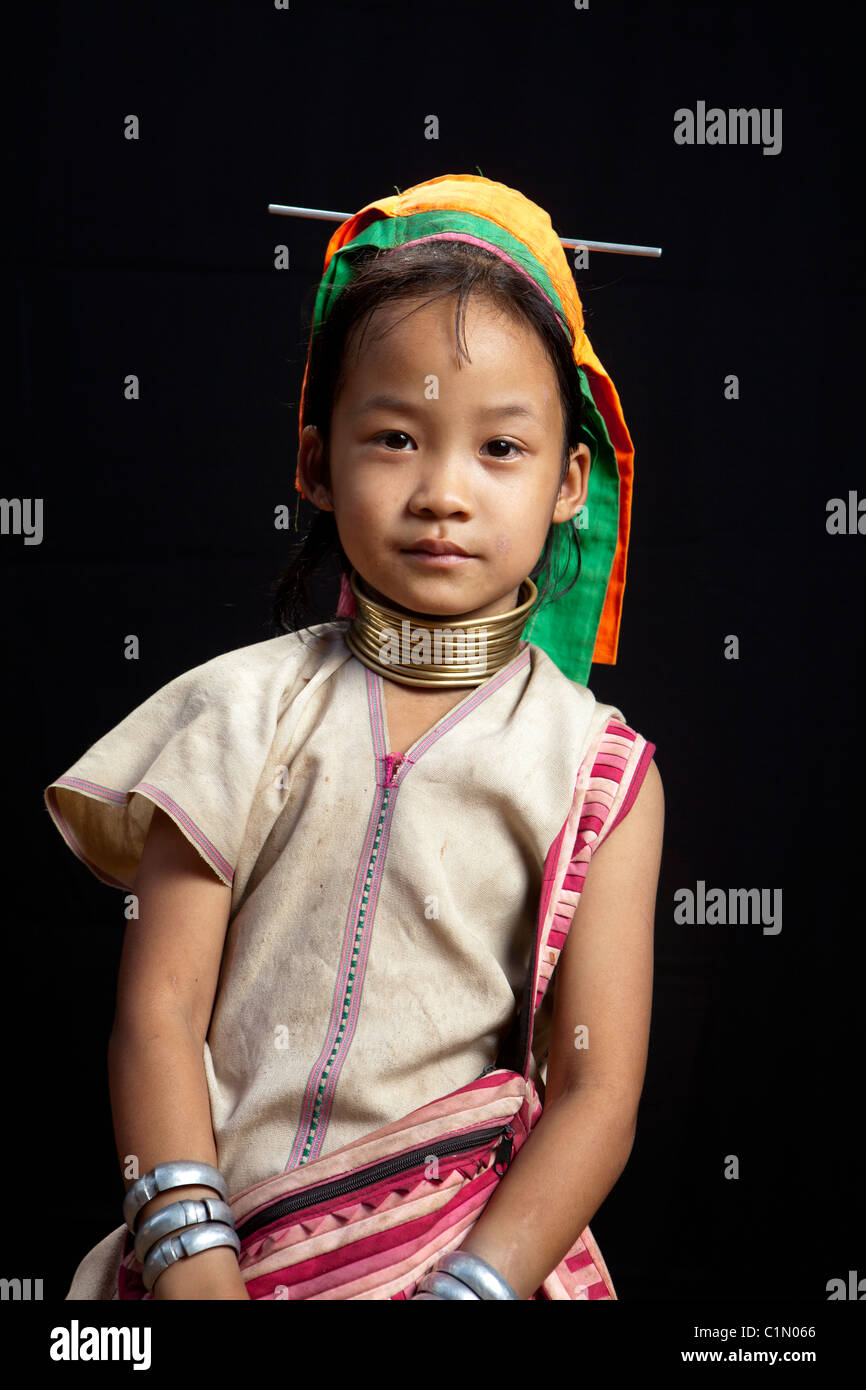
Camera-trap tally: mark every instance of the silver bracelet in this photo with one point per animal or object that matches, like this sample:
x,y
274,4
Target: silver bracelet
x,y
164,1176
437,1284
191,1241
480,1277
178,1216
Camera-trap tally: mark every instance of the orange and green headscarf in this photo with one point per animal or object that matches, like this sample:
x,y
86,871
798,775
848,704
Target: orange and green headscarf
x,y
582,626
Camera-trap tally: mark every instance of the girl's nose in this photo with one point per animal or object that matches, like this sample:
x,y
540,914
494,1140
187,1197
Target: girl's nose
x,y
442,486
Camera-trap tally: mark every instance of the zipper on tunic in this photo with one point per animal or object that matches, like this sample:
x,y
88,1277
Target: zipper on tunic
x,y
415,1158
391,765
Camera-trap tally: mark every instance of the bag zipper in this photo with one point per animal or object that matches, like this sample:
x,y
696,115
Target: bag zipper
x,y
340,1187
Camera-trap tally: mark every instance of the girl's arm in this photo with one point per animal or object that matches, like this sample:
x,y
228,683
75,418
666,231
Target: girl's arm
x,y
166,986
582,1142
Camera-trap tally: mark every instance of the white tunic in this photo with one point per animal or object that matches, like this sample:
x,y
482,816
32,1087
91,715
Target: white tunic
x,y
382,914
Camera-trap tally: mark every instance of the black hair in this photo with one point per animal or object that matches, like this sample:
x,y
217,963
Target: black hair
x,y
441,268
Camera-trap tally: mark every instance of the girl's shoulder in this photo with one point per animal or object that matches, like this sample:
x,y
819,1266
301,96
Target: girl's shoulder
x,y
278,663
197,747
561,697
617,758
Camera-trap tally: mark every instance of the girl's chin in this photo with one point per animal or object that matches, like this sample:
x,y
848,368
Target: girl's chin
x,y
407,597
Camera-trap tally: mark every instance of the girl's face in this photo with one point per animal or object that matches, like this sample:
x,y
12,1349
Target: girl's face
x,y
423,449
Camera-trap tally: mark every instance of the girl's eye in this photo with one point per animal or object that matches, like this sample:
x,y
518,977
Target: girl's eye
x,y
392,434
507,442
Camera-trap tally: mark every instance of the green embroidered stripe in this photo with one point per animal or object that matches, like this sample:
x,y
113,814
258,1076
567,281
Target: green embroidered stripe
x,y
347,998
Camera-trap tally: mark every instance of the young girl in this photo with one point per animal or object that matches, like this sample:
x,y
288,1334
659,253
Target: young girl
x,y
337,837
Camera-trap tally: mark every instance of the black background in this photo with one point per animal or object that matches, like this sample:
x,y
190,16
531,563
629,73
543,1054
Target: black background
x,y
156,257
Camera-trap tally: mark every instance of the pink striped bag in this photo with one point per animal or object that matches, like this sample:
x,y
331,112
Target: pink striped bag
x,y
367,1221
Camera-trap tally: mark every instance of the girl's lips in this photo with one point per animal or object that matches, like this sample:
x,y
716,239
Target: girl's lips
x,y
426,558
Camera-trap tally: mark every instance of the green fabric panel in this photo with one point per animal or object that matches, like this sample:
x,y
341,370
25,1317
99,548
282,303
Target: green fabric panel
x,y
567,628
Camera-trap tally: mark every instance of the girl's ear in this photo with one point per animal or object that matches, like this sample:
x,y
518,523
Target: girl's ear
x,y
311,468
573,493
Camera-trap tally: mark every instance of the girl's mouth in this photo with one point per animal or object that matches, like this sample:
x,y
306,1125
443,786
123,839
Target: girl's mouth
x,y
426,557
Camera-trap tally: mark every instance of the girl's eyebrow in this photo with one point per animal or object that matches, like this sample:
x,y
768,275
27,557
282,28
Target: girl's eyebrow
x,y
385,402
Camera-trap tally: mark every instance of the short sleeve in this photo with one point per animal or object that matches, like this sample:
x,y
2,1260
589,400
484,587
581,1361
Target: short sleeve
x,y
617,775
196,748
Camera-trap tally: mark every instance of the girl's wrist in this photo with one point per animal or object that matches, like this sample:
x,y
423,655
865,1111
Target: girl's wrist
x,y
212,1274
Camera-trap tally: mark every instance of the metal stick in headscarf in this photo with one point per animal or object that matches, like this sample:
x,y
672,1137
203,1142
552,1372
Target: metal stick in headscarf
x,y
582,626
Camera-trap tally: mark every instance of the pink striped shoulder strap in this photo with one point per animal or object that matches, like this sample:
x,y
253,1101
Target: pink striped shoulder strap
x,y
607,786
